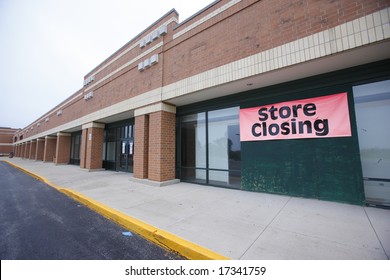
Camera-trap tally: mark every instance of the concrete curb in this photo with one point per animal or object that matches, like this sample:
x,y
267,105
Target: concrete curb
x,y
161,237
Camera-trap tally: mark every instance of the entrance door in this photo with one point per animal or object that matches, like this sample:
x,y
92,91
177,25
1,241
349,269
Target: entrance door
x,y
126,155
75,148
372,105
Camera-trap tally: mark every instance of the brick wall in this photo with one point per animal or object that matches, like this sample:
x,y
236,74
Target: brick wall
x,y
255,26
6,140
6,148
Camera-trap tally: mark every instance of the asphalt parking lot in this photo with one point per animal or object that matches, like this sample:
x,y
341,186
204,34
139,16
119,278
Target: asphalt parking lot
x,y
38,222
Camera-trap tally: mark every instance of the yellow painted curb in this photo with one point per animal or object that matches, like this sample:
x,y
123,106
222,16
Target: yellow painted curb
x,y
163,238
34,175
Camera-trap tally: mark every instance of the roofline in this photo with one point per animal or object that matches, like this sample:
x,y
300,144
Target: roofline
x,y
197,13
131,41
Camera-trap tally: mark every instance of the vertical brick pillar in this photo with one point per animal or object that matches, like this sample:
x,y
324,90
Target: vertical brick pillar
x,y
83,147
141,146
162,138
33,148
23,150
27,150
40,149
92,140
63,148
16,150
50,148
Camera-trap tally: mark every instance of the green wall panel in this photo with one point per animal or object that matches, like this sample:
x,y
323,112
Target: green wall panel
x,y
327,169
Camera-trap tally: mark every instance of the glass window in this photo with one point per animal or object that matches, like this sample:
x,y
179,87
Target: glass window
x,y
111,134
75,148
193,147
210,148
110,150
224,145
193,133
131,128
372,106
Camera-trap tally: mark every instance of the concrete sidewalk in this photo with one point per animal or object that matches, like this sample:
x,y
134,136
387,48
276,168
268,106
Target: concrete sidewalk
x,y
236,224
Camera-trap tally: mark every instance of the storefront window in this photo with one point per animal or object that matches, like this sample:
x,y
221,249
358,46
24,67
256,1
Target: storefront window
x,y
224,147
193,148
372,105
210,148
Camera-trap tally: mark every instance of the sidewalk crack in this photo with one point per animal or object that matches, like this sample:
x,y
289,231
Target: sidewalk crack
x,y
376,234
273,219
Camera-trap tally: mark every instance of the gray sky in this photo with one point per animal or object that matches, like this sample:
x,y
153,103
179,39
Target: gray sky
x,y
47,46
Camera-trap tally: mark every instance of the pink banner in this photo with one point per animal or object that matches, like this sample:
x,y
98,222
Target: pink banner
x,y
320,117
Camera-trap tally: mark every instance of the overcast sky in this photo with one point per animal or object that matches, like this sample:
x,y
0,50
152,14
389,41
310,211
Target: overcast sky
x,y
47,46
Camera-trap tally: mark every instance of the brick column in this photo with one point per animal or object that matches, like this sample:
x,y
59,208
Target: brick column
x,y
83,148
162,146
40,149
141,146
50,148
63,148
33,148
23,150
27,150
92,139
17,148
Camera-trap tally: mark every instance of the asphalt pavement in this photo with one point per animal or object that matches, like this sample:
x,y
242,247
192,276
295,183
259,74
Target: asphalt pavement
x,y
39,223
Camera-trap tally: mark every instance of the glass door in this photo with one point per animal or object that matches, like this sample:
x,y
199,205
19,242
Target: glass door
x,y
118,149
126,155
372,105
75,148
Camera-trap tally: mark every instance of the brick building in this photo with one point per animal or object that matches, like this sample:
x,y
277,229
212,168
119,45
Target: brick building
x,y
170,103
6,140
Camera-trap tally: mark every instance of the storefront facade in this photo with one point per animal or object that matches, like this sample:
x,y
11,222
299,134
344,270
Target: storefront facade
x,y
327,168
169,104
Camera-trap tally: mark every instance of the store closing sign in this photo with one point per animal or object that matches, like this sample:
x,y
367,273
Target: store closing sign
x,y
320,117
